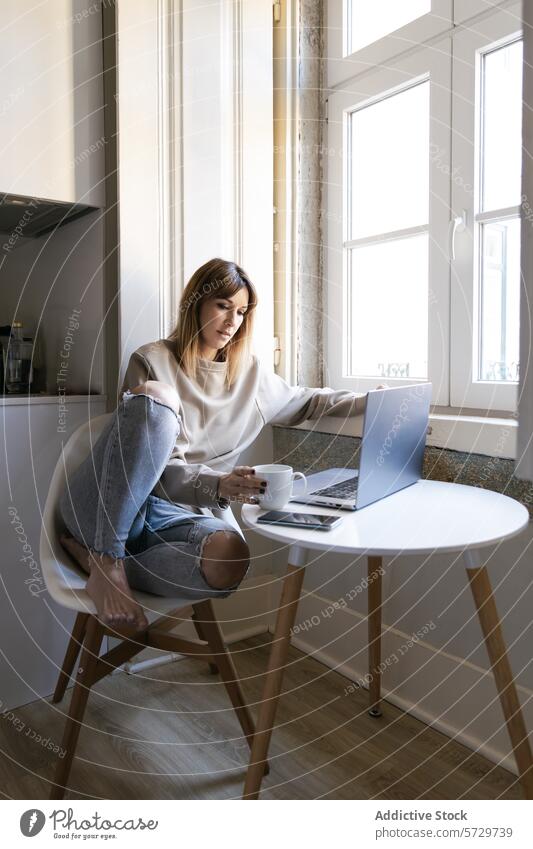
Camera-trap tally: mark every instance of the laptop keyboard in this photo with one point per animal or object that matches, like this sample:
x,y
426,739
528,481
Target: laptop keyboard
x,y
346,489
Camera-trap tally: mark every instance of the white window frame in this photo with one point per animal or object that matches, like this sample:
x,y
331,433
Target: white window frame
x,y
498,21
470,45
464,10
434,65
341,67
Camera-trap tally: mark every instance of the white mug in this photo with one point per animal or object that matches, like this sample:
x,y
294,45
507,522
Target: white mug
x,y
279,480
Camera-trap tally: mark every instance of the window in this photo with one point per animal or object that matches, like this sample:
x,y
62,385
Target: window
x,y
500,99
486,193
423,242
388,276
363,33
368,22
388,245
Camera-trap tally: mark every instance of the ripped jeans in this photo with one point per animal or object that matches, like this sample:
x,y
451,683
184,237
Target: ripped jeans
x,y
107,504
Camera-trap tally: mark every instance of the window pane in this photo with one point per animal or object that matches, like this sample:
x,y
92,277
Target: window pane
x,y
389,309
502,127
500,295
372,19
390,163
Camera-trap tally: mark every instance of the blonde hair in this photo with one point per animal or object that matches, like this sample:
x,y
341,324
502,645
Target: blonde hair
x,y
215,279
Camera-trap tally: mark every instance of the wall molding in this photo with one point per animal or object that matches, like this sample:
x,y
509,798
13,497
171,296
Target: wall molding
x,y
286,46
238,117
170,157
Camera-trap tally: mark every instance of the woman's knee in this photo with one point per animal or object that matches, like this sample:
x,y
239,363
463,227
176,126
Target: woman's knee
x,y
225,559
161,391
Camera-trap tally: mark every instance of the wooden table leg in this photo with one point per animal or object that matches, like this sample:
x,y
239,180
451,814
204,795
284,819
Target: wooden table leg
x,y
73,650
375,570
501,668
290,596
88,661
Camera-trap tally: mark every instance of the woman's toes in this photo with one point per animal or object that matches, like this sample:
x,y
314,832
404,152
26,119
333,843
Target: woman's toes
x,y
140,620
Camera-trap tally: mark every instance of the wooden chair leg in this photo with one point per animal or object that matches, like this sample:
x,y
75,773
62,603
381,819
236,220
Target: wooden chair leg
x,y
213,668
375,568
290,596
213,635
503,676
89,659
73,650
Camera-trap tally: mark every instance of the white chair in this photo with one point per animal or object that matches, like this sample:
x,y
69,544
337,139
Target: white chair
x,y
66,583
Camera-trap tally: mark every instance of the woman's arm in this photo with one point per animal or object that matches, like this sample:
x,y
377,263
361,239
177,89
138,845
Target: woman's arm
x,y
280,403
181,482
137,372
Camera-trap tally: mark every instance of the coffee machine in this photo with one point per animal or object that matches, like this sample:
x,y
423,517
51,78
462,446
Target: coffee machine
x,y
16,370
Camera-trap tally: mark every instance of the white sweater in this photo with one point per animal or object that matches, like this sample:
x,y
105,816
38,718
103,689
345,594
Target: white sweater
x,y
217,424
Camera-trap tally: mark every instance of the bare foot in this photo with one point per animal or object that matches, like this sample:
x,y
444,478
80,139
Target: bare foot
x,y
107,585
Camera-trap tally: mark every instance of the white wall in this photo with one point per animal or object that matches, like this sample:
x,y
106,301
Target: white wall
x,y
139,186
195,155
34,630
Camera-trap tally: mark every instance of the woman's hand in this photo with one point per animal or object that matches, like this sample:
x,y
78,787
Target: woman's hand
x,y
241,485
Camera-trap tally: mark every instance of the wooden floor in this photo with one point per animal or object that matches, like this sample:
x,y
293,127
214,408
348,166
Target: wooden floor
x,y
170,735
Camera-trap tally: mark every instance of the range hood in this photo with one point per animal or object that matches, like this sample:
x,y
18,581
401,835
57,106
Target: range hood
x,y
24,217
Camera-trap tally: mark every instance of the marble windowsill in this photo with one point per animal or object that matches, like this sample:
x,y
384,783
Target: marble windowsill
x,y
312,449
37,399
489,436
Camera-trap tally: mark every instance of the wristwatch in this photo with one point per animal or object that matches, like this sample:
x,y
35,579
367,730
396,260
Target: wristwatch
x,y
220,499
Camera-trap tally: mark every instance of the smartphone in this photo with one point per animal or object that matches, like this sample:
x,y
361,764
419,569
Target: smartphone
x,y
312,521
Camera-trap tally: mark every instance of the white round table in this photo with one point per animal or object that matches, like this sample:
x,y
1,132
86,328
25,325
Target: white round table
x,y
430,516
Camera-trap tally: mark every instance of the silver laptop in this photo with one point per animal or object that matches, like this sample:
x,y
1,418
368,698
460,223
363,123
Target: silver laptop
x,y
391,455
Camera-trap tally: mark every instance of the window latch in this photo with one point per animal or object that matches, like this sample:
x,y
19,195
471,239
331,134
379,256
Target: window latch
x,y
277,350
457,225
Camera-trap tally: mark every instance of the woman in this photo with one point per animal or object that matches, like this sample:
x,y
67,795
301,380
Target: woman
x,y
149,507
